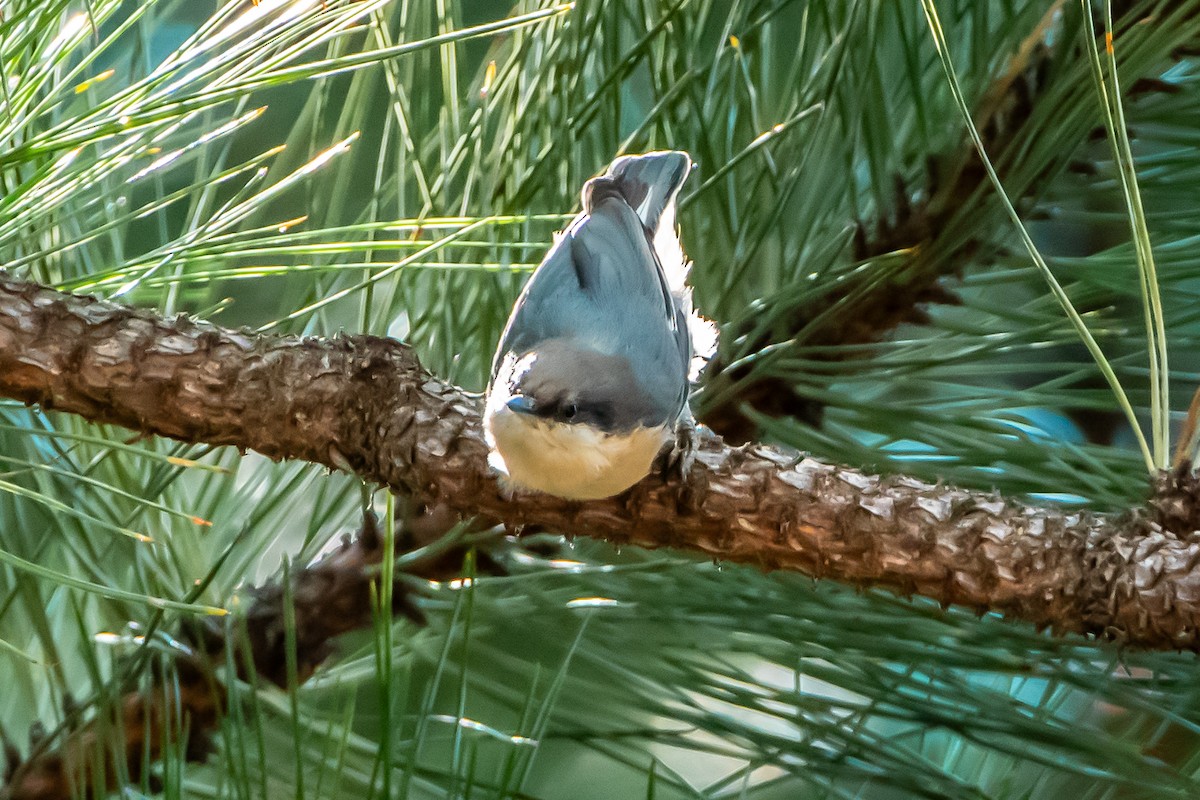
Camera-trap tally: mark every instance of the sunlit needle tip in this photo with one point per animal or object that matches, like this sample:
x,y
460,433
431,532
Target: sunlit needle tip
x,y
489,75
286,225
90,82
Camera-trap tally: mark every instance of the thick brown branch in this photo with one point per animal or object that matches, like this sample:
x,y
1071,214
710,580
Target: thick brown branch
x,y
364,404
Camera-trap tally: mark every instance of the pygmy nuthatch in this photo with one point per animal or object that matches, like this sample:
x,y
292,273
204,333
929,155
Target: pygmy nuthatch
x,y
591,378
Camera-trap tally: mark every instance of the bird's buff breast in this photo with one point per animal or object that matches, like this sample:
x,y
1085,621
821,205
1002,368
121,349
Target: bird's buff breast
x,y
569,461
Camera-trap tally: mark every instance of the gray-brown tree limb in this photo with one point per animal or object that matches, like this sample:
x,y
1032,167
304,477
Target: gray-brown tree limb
x,y
364,404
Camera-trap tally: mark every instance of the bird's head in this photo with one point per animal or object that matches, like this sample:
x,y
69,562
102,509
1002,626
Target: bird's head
x,y
572,421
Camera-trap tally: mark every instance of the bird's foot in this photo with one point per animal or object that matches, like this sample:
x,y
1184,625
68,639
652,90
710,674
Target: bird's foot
x,y
677,460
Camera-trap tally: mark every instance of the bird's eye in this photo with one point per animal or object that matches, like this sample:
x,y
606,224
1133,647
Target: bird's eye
x,y
569,411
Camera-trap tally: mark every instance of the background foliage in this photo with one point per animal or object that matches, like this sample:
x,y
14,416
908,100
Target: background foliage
x,y
397,168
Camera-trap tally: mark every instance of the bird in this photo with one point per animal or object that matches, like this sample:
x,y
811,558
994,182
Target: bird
x,y
591,378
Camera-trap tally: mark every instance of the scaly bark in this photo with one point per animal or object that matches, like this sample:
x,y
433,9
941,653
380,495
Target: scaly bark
x,y
365,404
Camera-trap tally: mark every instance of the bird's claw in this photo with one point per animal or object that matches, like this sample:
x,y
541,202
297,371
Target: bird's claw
x,y
678,459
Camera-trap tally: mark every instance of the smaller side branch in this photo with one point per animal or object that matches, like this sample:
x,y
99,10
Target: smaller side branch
x,y
183,702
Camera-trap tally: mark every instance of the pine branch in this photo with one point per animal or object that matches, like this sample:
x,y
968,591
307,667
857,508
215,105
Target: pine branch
x,y
328,598
928,224
365,405
147,719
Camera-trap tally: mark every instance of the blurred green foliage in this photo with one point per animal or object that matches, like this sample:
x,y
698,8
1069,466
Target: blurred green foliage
x,y
397,168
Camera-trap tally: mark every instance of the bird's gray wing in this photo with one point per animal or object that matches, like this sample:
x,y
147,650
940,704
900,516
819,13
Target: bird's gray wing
x,y
602,286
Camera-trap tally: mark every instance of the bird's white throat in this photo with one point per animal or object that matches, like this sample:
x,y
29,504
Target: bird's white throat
x,y
572,461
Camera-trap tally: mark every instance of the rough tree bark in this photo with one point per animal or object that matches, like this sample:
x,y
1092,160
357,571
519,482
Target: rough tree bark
x,y
364,404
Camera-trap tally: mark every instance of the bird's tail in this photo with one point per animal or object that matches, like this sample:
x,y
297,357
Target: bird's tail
x,y
650,182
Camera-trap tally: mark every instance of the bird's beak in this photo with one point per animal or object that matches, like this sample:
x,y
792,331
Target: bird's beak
x,y
521,405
